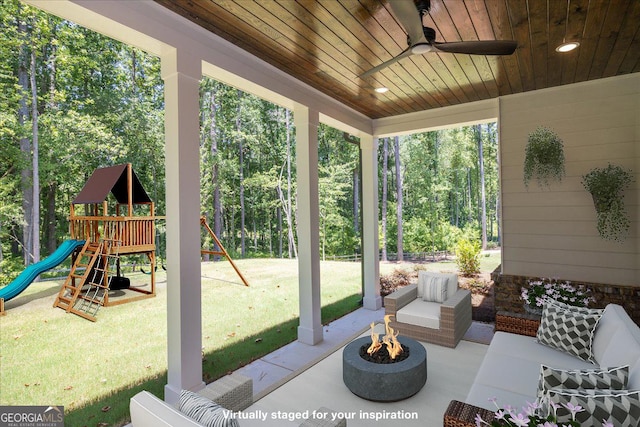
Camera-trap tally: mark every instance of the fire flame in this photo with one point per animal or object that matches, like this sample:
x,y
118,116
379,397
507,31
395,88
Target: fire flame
x,y
390,339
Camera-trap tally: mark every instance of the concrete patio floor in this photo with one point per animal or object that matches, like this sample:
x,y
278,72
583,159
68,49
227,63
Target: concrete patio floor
x,y
298,379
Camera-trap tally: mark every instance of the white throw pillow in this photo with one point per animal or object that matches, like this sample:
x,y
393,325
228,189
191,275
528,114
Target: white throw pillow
x,y
435,289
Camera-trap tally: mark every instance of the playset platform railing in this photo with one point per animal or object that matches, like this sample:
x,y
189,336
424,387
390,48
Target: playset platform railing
x,y
136,234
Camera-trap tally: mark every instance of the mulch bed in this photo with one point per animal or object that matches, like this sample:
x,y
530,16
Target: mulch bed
x,y
482,296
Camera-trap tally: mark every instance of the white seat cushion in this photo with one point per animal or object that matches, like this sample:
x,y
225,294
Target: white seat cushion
x,y
528,348
420,313
511,367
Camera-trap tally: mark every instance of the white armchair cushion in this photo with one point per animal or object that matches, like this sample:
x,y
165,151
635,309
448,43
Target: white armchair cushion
x,y
420,313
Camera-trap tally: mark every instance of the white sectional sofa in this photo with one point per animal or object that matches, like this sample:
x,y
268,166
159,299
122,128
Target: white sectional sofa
x,y
511,368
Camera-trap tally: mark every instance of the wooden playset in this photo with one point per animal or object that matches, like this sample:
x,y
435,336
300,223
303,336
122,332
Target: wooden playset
x,y
127,230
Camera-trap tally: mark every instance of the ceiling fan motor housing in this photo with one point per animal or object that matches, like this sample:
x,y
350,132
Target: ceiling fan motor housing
x,y
423,6
429,34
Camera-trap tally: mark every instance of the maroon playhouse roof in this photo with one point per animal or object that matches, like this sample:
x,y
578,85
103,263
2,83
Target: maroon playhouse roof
x,y
112,179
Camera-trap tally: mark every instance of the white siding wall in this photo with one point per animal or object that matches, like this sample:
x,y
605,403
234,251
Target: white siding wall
x,y
551,231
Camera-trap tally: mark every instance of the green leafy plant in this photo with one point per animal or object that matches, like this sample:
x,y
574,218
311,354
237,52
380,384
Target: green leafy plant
x,y
468,257
543,157
538,292
607,186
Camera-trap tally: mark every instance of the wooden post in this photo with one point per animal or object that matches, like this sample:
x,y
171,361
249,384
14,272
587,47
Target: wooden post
x,y
222,251
129,189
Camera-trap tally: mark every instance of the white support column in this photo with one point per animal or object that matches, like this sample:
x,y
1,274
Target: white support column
x,y
308,216
370,251
181,73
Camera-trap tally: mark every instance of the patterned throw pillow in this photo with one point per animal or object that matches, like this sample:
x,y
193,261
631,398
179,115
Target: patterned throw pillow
x,y
205,411
581,310
619,407
611,379
435,289
568,331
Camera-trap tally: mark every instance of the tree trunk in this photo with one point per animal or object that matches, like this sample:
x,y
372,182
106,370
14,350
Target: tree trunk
x,y
399,197
483,200
26,174
385,166
1,253
35,212
293,252
241,160
215,181
356,201
50,222
279,216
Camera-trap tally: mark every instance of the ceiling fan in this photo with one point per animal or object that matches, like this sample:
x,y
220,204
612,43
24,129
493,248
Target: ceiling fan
x,y
421,39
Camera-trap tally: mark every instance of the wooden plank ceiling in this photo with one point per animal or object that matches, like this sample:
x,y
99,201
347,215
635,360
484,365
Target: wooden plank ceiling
x,y
328,44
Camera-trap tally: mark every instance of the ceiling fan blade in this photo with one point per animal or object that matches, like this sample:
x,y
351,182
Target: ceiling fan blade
x,y
410,19
478,47
404,54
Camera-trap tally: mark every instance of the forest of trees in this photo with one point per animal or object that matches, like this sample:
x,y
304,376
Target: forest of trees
x,y
73,100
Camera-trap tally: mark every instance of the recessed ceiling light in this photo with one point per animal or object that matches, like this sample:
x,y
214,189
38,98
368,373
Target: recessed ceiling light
x,y
567,47
382,89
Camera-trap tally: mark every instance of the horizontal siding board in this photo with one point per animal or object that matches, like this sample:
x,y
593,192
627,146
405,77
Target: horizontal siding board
x,y
576,243
559,213
626,276
559,228
575,258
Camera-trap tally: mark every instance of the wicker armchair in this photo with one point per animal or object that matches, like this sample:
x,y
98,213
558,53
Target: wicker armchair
x,y
454,315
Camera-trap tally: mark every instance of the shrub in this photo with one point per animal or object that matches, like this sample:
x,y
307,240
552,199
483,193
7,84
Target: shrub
x,y
397,279
468,257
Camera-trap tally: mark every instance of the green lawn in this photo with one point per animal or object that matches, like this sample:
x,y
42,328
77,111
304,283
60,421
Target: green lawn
x,y
49,357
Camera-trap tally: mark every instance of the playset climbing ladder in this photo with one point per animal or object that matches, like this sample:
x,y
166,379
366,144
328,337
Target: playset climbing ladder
x,y
84,291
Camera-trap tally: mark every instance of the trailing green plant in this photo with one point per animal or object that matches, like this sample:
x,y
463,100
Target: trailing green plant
x,y
607,186
544,157
468,257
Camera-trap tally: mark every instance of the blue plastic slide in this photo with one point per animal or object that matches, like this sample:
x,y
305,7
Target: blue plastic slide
x,y
30,273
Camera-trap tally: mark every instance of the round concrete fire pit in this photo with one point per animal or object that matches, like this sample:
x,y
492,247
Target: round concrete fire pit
x,y
384,382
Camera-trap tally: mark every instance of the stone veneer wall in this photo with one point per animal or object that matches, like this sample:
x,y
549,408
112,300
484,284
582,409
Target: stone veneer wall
x,y
508,287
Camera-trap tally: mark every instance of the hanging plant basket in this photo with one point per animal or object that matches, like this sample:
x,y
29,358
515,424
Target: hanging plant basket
x,y
543,157
607,186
